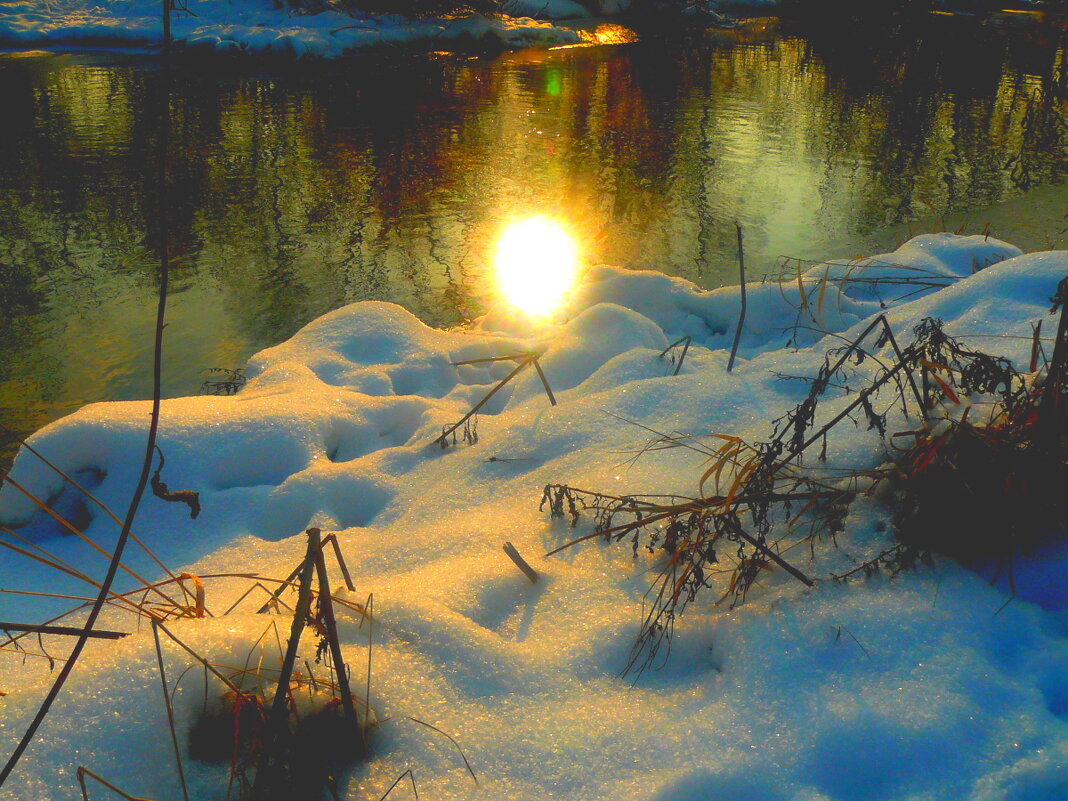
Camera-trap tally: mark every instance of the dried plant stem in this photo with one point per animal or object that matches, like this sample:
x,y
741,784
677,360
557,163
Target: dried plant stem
x,y
249,591
326,614
658,513
397,781
525,360
287,582
452,740
520,562
138,609
370,644
69,631
862,396
889,333
210,668
78,533
685,342
741,286
58,595
491,359
170,712
474,410
277,727
332,539
544,381
84,771
107,509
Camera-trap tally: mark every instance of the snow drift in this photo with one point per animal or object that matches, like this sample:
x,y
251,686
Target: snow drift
x,y
911,688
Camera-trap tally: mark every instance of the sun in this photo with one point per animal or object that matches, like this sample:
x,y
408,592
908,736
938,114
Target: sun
x,y
537,264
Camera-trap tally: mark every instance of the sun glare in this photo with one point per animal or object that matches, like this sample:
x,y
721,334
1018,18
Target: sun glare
x,y
537,264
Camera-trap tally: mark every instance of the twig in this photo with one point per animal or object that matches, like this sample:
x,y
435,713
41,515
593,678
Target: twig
x,y
332,539
326,614
208,667
370,644
544,381
170,712
68,631
397,781
500,385
277,730
150,444
84,771
685,342
741,316
521,563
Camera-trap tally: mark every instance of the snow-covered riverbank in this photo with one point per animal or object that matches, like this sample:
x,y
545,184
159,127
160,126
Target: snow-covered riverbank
x,y
258,26
911,688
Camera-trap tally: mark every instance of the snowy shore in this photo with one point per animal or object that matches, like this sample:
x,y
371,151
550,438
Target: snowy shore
x,y
258,26
911,688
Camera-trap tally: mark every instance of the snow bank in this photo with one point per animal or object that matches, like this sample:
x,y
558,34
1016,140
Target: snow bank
x,y
913,688
256,26
546,9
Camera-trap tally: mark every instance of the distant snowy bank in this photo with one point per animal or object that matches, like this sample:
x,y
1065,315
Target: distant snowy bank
x,y
264,26
258,26
269,27
913,688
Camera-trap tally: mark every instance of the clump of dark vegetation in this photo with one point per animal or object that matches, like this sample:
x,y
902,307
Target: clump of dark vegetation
x,y
979,476
295,745
991,489
319,745
223,381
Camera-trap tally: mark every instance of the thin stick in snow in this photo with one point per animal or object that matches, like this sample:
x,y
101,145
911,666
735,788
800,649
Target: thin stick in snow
x,y
520,562
170,712
741,316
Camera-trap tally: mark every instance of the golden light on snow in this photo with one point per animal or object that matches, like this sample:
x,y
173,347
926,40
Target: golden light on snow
x,y
537,264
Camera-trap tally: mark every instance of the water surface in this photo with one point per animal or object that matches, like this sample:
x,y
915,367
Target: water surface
x,y
296,189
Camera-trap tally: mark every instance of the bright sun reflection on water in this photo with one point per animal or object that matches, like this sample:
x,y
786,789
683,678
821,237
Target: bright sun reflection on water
x,y
537,264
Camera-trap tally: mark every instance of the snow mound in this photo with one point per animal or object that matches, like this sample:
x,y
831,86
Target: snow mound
x,y
913,688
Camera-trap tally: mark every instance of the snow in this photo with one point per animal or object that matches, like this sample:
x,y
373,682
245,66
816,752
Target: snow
x,y
925,686
546,9
258,26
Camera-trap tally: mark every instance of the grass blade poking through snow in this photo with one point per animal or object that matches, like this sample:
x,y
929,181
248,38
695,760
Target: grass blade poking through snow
x,y
670,349
84,771
170,712
741,289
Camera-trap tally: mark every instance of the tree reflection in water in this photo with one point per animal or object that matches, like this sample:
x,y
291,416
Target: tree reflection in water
x,y
299,188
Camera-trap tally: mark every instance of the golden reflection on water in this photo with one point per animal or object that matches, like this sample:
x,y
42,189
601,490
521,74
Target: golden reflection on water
x,y
609,33
537,263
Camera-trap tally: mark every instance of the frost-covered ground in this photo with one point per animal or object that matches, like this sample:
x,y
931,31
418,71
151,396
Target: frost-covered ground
x,y
911,688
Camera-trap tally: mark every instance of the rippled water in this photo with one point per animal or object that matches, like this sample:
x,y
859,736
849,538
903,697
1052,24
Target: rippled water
x,y
297,189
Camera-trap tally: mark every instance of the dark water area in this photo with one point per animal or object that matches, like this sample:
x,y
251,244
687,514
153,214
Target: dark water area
x,y
297,188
